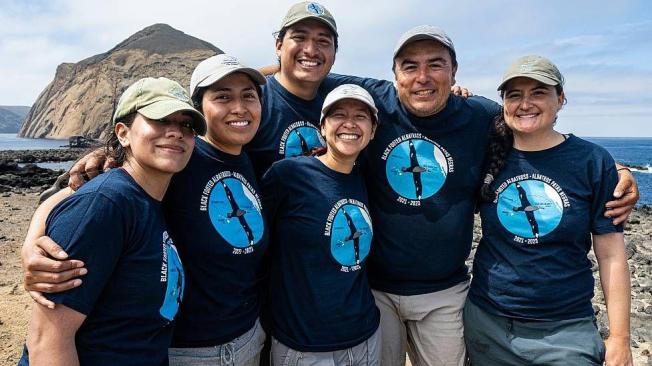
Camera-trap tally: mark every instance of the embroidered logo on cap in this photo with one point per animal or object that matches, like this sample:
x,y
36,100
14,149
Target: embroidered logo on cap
x,y
230,61
179,93
315,9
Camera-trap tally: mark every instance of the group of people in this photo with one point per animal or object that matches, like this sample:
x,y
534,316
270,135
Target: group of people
x,y
333,213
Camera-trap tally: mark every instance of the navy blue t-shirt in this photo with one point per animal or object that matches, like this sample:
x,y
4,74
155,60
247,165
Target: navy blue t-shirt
x,y
135,283
531,262
321,234
289,125
423,175
214,213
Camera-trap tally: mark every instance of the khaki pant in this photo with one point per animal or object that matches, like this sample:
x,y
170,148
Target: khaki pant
x,y
366,353
428,327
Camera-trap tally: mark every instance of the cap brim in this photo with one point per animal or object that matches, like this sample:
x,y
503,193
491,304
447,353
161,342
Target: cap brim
x,y
542,78
329,25
164,108
419,37
252,73
328,106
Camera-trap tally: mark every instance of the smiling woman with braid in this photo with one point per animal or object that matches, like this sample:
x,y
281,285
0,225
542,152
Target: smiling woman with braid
x,y
543,200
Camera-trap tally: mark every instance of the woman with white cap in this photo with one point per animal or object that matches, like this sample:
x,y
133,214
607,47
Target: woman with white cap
x,y
122,312
544,196
322,308
214,213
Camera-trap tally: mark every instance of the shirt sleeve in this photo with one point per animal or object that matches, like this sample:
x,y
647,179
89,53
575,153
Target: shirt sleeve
x,y
90,227
269,186
604,179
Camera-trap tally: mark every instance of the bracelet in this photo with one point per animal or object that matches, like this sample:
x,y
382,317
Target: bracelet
x,y
624,168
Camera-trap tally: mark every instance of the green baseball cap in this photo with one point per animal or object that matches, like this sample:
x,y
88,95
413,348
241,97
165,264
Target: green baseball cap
x,y
534,67
309,10
157,98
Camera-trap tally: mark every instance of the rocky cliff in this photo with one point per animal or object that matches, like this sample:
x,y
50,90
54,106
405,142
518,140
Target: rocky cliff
x,y
81,98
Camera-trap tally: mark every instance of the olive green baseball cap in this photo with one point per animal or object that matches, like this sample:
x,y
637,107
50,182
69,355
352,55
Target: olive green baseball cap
x,y
309,10
534,67
157,98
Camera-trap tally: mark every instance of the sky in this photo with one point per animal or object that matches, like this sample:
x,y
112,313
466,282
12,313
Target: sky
x,y
603,48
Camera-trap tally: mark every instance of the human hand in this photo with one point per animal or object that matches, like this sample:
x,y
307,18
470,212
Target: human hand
x,y
626,194
618,352
88,167
461,91
46,268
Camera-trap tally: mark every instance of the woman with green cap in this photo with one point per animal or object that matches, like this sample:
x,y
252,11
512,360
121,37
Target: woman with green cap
x,y
543,200
122,313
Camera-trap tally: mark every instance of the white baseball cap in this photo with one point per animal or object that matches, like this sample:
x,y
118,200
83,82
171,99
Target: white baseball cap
x,y
215,68
348,91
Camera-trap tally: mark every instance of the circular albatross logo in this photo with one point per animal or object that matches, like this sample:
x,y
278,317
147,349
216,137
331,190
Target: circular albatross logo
x,y
416,169
235,212
351,234
529,208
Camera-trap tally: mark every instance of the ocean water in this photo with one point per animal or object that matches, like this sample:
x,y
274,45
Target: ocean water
x,y
632,151
628,150
9,141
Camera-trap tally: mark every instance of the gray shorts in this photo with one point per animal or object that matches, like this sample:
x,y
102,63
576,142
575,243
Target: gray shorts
x,y
242,351
366,353
496,340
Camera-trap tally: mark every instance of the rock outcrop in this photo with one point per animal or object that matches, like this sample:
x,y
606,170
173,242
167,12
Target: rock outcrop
x,y
81,98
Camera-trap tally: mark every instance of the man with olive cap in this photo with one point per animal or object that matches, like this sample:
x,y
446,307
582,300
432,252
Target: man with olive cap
x,y
424,168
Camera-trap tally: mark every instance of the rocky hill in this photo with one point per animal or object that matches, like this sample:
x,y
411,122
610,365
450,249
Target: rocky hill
x,y
11,118
81,98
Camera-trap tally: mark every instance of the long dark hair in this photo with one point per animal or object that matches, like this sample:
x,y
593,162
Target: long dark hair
x,y
112,145
500,144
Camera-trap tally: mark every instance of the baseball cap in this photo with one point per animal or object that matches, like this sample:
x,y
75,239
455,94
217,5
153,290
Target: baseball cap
x,y
422,32
309,10
157,98
534,67
215,68
348,91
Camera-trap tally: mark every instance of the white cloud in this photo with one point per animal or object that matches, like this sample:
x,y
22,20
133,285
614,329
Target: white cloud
x,y
604,49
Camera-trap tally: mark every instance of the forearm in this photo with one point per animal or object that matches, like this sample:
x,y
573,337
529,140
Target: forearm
x,y
51,336
52,351
614,278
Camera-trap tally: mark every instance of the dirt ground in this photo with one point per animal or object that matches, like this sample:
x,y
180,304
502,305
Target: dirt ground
x,y
15,213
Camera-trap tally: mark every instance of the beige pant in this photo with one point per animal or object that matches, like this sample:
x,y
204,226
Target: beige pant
x,y
428,327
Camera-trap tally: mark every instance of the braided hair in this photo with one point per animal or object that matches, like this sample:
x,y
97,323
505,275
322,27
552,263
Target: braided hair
x,y
501,141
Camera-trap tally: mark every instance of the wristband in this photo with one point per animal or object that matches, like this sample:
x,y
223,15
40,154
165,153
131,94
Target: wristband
x,y
624,168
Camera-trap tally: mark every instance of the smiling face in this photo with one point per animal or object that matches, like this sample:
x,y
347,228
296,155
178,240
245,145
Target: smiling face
x,y
424,75
232,110
347,128
158,147
531,106
307,53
